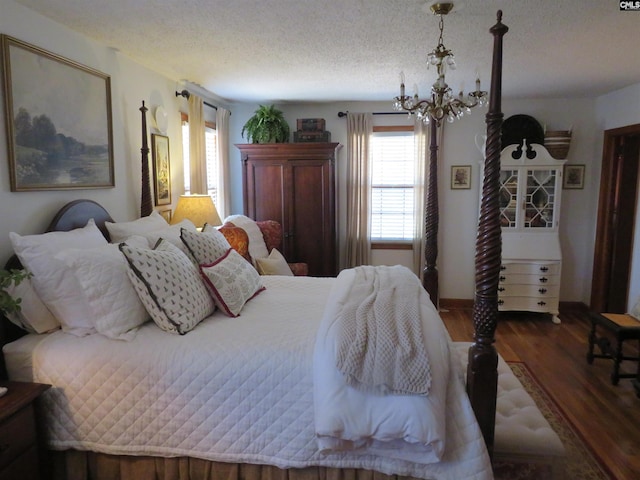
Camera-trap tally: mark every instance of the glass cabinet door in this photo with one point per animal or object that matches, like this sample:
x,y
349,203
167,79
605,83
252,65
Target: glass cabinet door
x,y
508,198
539,198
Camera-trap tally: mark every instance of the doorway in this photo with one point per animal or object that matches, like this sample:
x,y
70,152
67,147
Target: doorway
x,y
616,220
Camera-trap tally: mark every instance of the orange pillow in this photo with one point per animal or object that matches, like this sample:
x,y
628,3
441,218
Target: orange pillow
x,y
237,238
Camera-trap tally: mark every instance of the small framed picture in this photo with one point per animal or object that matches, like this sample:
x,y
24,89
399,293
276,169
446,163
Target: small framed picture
x,y
161,169
573,176
460,177
166,214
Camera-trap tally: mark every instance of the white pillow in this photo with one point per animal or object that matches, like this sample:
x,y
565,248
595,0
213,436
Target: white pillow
x,y
169,286
206,246
116,310
257,247
34,316
170,233
274,264
120,231
232,282
55,284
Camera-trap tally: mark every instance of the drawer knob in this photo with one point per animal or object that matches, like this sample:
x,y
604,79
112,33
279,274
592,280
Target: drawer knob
x,y
544,279
502,278
541,303
542,290
503,267
500,302
544,269
501,289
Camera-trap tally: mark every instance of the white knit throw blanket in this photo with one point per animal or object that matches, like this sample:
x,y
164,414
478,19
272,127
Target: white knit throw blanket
x,y
380,342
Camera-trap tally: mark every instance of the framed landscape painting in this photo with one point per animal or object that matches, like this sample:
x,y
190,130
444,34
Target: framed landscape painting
x,y
58,117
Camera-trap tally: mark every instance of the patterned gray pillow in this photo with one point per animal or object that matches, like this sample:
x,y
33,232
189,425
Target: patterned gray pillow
x,y
206,246
169,286
232,282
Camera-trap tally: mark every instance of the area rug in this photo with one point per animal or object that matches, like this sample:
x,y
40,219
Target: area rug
x,y
581,463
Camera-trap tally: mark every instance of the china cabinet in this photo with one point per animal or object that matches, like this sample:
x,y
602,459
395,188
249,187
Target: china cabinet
x,y
530,199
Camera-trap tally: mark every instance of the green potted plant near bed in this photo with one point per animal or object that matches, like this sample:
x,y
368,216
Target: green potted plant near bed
x,y
267,125
8,304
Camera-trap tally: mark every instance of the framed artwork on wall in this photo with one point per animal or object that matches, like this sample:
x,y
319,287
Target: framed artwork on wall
x,y
161,169
58,117
460,177
166,214
573,176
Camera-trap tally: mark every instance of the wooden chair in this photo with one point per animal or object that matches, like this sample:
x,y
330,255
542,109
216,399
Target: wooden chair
x,y
623,326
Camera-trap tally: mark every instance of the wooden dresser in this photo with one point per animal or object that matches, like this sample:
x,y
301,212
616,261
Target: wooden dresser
x,y
294,184
20,455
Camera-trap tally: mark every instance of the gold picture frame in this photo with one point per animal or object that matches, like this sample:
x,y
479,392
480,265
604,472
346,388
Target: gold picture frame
x,y
58,120
161,169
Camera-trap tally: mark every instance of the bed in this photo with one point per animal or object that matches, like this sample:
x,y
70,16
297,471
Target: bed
x,y
239,396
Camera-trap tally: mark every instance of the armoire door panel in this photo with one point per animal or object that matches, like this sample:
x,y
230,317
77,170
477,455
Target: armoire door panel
x,y
266,198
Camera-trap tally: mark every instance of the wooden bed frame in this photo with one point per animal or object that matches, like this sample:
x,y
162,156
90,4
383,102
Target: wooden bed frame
x,y
482,377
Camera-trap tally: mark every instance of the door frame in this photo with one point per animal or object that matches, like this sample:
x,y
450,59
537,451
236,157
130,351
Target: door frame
x,y
605,233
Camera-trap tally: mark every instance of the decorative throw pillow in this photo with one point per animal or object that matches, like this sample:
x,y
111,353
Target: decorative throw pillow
x,y
257,247
170,233
120,231
116,310
169,286
205,247
237,238
54,283
34,316
232,282
274,264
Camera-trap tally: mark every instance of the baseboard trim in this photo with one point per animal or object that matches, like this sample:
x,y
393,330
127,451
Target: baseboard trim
x,y
453,303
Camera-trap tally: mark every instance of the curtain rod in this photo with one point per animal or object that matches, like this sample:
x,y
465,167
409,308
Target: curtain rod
x,y
186,94
344,114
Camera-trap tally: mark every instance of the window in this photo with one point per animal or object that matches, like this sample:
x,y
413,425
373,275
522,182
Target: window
x,y
392,184
211,145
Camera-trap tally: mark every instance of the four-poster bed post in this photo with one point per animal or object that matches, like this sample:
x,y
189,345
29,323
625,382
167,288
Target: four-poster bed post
x,y
430,272
482,375
146,204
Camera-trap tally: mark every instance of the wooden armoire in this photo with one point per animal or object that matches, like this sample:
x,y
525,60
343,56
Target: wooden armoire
x,y
295,184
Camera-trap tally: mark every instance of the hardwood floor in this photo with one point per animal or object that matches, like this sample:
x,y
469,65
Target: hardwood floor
x,y
607,416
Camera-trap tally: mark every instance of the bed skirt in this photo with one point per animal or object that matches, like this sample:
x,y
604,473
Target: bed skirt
x,y
77,465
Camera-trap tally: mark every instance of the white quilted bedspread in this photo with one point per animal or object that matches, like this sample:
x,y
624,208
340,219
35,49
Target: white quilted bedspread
x,y
233,389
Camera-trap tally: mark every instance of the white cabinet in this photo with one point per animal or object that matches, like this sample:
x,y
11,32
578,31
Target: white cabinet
x,y
530,200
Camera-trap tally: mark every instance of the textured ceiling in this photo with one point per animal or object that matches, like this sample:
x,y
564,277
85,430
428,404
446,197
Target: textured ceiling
x,y
340,50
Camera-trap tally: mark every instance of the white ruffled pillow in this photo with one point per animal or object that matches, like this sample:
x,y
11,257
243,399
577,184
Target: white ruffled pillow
x,y
232,282
169,286
120,231
116,310
171,233
55,284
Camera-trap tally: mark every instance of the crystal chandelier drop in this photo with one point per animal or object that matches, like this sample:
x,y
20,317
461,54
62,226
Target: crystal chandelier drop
x,y
442,103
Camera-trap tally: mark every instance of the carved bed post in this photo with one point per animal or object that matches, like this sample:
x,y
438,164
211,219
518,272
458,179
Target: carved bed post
x,y
482,375
430,273
146,204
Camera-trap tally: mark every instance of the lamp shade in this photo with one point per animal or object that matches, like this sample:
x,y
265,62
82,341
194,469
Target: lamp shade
x,y
197,208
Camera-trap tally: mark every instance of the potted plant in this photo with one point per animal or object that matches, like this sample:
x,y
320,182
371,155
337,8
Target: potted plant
x,y
267,126
8,304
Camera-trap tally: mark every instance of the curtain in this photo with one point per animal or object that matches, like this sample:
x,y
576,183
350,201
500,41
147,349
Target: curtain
x,y
422,141
224,181
358,248
197,146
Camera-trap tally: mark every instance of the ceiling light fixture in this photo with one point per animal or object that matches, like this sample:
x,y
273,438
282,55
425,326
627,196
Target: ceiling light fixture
x,y
442,103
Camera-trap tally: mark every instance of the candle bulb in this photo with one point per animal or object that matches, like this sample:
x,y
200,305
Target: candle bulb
x,y
477,84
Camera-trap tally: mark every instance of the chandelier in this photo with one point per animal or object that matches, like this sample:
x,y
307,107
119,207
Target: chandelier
x,y
442,103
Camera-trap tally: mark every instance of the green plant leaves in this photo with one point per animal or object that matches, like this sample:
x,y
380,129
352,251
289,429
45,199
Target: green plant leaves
x,y
267,125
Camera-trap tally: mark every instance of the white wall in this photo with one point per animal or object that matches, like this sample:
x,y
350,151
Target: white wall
x,y
614,110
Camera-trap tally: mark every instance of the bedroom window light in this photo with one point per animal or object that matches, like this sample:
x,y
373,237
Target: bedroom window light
x,y
211,145
392,185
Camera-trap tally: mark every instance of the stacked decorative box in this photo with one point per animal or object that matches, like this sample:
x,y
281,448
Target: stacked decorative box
x,y
311,130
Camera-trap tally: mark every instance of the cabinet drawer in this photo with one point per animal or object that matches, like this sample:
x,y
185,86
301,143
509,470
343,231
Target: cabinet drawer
x,y
531,304
522,279
532,268
25,467
518,290
17,434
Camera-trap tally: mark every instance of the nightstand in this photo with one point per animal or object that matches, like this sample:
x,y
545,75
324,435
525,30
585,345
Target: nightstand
x,y
19,443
